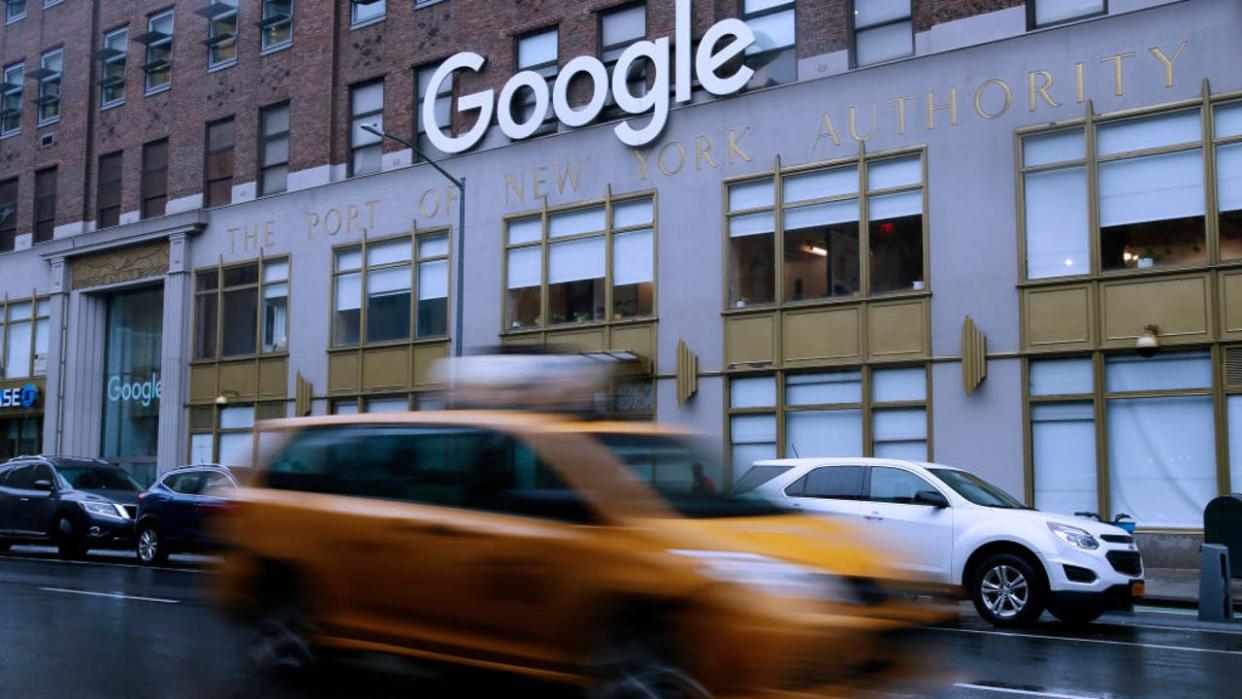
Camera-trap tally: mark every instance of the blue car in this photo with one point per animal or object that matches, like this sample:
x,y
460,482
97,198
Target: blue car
x,y
172,512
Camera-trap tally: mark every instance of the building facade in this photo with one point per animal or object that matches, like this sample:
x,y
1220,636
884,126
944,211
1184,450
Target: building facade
x,y
928,229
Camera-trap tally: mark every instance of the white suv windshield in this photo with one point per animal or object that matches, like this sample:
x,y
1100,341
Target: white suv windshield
x,y
977,490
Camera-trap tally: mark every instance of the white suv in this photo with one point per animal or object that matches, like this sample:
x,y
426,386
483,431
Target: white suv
x,y
953,527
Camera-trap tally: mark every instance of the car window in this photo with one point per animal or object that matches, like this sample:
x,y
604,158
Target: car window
x,y
757,476
190,483
213,482
98,478
836,482
42,472
21,478
174,481
896,485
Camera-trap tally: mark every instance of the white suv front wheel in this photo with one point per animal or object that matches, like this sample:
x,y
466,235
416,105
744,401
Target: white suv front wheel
x,y
1007,591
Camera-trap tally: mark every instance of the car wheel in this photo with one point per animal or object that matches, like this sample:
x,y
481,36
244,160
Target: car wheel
x,y
633,668
279,640
1076,616
1007,591
150,546
69,544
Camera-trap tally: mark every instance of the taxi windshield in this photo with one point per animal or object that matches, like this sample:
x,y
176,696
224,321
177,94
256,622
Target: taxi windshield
x,y
686,477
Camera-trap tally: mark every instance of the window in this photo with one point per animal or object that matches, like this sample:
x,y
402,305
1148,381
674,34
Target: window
x,y
1041,13
375,282
50,66
1157,435
25,328
1057,236
113,56
824,413
274,149
536,52
836,482
371,404
441,106
254,300
367,108
158,39
365,11
14,10
44,205
772,56
823,250
1228,137
154,178
277,24
8,214
618,29
225,434
11,100
579,285
896,486
883,31
221,32
108,198
218,166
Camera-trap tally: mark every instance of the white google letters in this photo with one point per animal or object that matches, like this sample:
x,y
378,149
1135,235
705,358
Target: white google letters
x,y
139,391
724,41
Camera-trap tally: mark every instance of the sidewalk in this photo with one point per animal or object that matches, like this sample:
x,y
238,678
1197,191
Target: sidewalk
x,y
1180,587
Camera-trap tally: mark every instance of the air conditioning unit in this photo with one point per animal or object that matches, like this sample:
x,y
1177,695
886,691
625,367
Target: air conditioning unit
x,y
47,140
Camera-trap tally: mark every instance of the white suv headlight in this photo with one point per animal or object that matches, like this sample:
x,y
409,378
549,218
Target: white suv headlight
x,y
1079,538
105,509
771,575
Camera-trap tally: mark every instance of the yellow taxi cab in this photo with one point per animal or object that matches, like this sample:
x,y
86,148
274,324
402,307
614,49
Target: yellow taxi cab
x,y
587,552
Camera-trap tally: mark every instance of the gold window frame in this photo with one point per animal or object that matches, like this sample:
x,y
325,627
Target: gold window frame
x,y
6,323
259,285
205,420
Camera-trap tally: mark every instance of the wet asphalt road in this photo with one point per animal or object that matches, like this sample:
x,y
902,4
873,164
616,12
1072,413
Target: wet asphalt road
x,y
106,629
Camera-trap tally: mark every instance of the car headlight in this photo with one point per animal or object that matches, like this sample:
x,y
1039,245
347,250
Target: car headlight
x,y
770,575
1074,536
105,509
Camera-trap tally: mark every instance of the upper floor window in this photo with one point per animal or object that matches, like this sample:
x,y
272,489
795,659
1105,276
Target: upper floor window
x,y
441,107
277,24
883,31
45,205
536,52
366,150
158,40
14,10
556,268
25,328
375,282
154,178
253,298
8,214
221,32
274,149
108,196
773,56
113,57
1041,13
618,29
50,67
823,249
218,168
366,11
11,100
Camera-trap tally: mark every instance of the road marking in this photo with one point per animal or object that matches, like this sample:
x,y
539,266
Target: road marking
x,y
113,595
1100,641
1027,692
1187,629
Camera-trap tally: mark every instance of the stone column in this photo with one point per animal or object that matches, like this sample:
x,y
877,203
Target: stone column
x,y
172,445
53,397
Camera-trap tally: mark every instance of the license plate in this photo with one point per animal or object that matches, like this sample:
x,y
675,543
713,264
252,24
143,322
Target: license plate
x,y
1138,589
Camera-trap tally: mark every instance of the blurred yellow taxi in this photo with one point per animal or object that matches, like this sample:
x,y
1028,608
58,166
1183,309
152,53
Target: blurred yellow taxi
x,y
595,553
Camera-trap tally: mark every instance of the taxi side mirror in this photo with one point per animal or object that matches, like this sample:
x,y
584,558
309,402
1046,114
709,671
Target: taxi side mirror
x,y
931,498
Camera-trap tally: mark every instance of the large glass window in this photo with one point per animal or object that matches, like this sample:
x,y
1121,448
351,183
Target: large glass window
x,y
221,32
1235,442
877,411
277,24
274,149
51,65
218,163
821,246
45,205
366,11
158,39
1228,136
24,328
1042,13
108,196
11,100
576,278
225,434
8,214
536,52
132,385
367,108
113,57
375,284
442,107
883,31
241,310
154,178
773,55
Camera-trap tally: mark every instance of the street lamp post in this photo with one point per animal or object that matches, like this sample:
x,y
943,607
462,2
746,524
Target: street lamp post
x,y
460,184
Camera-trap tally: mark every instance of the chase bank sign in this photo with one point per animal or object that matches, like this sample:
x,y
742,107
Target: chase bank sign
x,y
723,42
19,396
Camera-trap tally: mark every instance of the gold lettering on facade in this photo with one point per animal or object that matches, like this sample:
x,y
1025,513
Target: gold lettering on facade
x,y
1080,80
853,119
932,108
516,188
1005,90
901,112
1118,83
269,234
681,158
538,182
450,198
703,146
642,163
567,175
423,209
1166,62
312,220
826,130
372,206
351,211
735,145
329,215
248,236
1040,90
